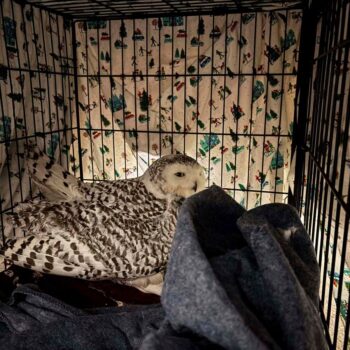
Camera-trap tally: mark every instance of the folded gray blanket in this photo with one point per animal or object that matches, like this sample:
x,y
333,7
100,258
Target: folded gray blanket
x,y
236,279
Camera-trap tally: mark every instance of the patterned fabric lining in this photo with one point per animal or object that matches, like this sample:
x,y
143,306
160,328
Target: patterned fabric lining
x,y
231,108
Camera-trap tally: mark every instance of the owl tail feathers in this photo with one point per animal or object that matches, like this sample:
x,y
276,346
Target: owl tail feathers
x,y
53,181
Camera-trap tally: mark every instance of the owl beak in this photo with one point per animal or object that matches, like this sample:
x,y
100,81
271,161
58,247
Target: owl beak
x,y
195,187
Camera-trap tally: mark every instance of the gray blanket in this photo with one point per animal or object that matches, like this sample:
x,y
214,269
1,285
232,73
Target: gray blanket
x,y
236,279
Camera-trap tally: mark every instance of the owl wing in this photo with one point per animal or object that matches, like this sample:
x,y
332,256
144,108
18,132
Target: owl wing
x,y
55,255
87,239
59,240
53,241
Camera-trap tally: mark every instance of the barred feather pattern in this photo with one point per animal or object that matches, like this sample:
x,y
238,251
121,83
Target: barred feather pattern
x,y
119,230
96,238
53,181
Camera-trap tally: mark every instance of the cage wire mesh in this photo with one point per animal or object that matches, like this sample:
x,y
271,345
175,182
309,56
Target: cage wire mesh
x,y
110,86
83,9
324,180
218,88
36,96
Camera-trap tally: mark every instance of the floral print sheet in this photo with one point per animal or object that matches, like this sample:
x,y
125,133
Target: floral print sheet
x,y
36,94
219,88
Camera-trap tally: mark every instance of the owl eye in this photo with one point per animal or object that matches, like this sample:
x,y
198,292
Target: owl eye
x,y
179,174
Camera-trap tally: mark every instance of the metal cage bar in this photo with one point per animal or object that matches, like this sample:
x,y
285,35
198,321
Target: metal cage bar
x,y
322,152
44,82
85,9
320,83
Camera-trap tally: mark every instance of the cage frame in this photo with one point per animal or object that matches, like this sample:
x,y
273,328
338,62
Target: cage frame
x,y
304,85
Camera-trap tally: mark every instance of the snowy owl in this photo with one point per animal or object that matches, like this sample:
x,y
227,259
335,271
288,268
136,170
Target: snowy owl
x,y
118,230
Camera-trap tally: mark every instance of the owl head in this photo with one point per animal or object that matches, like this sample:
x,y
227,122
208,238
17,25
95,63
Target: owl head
x,y
175,175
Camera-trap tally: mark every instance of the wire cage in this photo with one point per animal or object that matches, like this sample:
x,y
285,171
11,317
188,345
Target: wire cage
x,y
256,91
322,172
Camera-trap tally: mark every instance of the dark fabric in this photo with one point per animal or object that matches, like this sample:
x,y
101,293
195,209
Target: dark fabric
x,y
33,320
234,281
73,291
